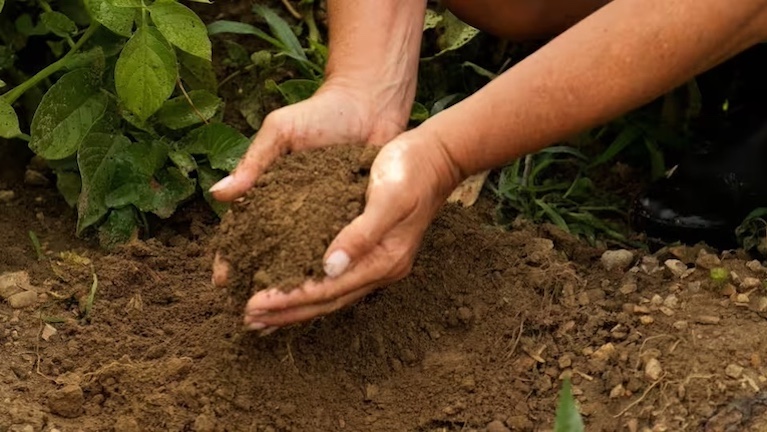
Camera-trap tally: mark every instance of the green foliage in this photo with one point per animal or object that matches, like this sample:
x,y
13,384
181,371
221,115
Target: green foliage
x,y
568,418
752,232
129,115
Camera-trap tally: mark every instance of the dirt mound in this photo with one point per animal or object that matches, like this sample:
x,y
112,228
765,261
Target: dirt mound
x,y
278,234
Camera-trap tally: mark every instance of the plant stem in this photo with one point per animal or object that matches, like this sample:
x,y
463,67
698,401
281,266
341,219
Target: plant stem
x,y
311,24
13,95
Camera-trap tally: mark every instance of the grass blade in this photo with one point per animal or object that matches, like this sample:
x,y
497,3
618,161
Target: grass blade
x,y
568,418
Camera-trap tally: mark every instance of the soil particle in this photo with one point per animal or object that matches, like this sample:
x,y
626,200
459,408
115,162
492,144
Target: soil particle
x,y
277,235
67,401
617,259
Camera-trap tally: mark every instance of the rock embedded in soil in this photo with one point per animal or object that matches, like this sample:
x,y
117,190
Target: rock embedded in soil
x,y
278,234
653,369
707,260
7,196
497,426
23,299
617,259
67,401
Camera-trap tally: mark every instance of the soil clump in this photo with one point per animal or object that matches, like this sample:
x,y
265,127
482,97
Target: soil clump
x,y
278,233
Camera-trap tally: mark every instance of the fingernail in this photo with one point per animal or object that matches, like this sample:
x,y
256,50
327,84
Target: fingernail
x,y
256,312
336,263
222,184
267,331
256,326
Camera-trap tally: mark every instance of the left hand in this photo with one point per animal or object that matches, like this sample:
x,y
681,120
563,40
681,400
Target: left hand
x,y
409,181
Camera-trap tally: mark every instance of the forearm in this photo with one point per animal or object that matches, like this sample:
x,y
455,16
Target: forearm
x,y
624,55
375,47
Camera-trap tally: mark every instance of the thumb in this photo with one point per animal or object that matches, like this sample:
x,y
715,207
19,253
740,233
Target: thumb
x,y
382,213
266,147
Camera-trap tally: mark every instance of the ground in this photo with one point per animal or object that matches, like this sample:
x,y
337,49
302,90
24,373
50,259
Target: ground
x,y
478,338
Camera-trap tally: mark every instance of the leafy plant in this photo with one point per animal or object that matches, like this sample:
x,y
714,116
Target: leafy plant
x,y
752,232
130,122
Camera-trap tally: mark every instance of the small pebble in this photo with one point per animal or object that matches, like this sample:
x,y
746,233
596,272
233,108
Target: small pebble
x,y
7,196
497,426
671,301
759,304
604,352
35,178
646,319
708,319
653,369
617,391
641,309
666,310
617,259
707,260
676,267
680,325
628,288
733,371
650,264
728,290
750,283
565,362
755,266
656,300
23,299
742,299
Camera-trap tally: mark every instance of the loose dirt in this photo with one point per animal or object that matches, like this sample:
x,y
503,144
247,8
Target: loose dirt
x,y
477,338
277,235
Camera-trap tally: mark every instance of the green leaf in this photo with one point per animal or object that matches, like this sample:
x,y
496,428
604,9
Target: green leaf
x,y
93,58
296,90
224,26
455,34
146,72
26,27
197,73
568,418
126,3
96,162
2,3
69,185
282,30
183,160
120,226
67,114
116,19
207,177
9,121
178,113
58,23
553,215
479,70
182,27
627,136
432,20
419,112
223,145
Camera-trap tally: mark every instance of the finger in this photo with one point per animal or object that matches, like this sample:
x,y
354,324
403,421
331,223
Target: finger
x,y
221,269
266,147
306,312
375,268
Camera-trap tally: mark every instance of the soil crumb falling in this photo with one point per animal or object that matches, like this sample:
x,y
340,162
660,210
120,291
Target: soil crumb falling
x,y
278,234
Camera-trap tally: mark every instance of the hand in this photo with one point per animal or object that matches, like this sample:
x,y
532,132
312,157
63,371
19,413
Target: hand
x,y
409,181
336,114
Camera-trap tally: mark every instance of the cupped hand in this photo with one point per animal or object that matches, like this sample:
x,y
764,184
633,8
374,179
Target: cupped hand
x,y
409,181
337,114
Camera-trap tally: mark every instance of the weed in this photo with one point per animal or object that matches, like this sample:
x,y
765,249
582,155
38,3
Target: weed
x,y
568,419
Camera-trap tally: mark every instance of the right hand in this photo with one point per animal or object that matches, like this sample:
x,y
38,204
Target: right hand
x,y
336,114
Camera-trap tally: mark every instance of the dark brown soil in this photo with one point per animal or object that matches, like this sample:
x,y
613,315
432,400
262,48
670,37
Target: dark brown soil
x,y
481,332
278,234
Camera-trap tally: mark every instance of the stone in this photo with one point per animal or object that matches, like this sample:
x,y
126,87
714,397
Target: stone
x,y
653,369
708,319
617,391
728,290
7,196
126,424
204,423
67,401
497,426
13,283
742,299
650,264
671,301
646,319
605,352
617,259
750,283
758,304
628,288
35,178
755,266
676,267
707,260
23,299
733,371
48,332
680,325
666,310
656,300
565,361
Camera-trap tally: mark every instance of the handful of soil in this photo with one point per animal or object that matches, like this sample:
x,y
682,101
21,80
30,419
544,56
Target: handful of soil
x,y
277,235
